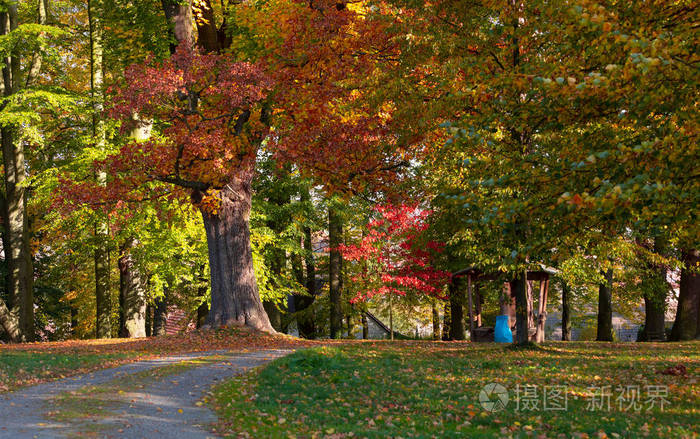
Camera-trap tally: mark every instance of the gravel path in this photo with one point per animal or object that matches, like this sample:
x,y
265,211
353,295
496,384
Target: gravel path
x,y
163,408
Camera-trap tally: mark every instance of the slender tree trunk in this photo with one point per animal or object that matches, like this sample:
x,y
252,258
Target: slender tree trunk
x,y
335,266
605,329
303,302
234,292
522,318
565,312
391,316
470,304
132,295
530,305
149,320
365,327
457,331
687,323
278,256
478,301
101,254
203,308
507,304
542,311
202,311
436,322
446,325
73,320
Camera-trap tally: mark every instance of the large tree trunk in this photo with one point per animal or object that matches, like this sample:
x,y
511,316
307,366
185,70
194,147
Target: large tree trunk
x,y
522,317
605,329
132,295
335,265
9,323
457,331
687,323
565,312
234,292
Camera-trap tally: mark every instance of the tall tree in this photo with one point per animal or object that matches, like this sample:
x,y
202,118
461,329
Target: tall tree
x,y
99,140
222,191
18,84
306,324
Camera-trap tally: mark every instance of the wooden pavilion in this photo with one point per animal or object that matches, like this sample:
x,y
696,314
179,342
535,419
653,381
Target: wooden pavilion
x,y
536,332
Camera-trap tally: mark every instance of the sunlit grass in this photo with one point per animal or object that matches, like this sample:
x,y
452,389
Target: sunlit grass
x,y
426,390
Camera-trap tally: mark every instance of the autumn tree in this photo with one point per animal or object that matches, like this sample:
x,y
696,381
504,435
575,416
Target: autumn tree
x,y
212,113
29,44
553,127
395,261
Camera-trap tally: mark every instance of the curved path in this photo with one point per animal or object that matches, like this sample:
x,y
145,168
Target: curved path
x,y
157,402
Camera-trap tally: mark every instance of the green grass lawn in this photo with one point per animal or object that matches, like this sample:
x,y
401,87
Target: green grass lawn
x,y
426,390
19,368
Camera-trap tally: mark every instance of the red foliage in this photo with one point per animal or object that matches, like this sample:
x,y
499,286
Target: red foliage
x,y
210,118
324,67
396,259
208,105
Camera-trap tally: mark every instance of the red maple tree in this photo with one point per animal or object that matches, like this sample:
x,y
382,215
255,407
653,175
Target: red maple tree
x,y
396,257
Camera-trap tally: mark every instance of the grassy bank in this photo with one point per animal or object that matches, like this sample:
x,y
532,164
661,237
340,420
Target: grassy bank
x,y
426,390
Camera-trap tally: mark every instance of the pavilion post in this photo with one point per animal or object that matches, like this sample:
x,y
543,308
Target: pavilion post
x,y
542,310
471,308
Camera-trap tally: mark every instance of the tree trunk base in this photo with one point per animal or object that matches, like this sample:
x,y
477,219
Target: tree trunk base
x,y
234,293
